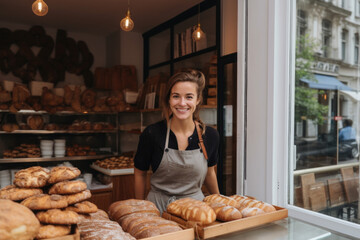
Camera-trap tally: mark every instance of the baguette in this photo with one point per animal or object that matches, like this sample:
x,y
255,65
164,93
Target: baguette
x,y
225,212
192,210
218,198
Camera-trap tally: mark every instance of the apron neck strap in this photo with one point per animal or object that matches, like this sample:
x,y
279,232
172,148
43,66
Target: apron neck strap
x,y
201,141
167,134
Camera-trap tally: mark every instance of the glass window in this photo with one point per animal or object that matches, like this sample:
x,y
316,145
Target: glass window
x,y
326,37
301,28
326,117
159,48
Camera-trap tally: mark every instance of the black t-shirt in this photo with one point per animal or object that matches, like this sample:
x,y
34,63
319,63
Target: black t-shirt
x,y
152,142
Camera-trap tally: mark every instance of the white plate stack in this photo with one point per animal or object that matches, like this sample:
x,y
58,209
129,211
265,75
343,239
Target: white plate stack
x,y
47,148
60,147
4,178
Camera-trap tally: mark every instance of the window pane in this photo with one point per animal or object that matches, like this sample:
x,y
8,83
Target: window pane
x,y
327,113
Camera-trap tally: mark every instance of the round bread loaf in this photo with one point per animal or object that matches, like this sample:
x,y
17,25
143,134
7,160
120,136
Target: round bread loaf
x,y
33,177
63,173
68,187
45,201
83,207
78,197
57,216
17,222
52,231
11,192
121,208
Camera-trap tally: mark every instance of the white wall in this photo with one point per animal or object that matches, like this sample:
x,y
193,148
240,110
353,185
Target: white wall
x,y
96,45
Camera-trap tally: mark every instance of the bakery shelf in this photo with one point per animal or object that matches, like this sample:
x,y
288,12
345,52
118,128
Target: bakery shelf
x,y
24,111
53,159
56,132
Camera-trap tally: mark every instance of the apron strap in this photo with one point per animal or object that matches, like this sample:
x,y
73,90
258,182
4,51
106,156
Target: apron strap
x,y
201,141
167,135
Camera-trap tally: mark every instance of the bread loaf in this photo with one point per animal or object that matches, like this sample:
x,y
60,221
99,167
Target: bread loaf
x,y
83,207
78,197
57,216
251,211
17,222
192,210
53,231
63,173
121,208
14,193
218,198
225,212
68,187
45,201
33,177
250,202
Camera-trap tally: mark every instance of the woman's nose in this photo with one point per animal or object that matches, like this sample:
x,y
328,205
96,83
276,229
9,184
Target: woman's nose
x,y
183,101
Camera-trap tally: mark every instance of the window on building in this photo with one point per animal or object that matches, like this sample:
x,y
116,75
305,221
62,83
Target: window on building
x,y
343,3
301,28
343,44
356,49
358,8
326,37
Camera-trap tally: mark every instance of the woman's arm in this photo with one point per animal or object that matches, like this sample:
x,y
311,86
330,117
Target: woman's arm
x,y
140,183
211,181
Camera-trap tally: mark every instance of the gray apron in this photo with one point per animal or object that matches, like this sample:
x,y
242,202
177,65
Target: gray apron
x,y
180,174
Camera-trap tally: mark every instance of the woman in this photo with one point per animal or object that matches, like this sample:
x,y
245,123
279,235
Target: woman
x,y
171,147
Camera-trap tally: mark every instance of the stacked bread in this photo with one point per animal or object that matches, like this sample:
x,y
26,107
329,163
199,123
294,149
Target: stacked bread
x,y
251,207
192,210
98,226
56,201
141,218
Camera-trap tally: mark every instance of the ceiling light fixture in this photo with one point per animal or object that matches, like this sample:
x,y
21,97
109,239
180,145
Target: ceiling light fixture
x,y
198,33
127,23
40,8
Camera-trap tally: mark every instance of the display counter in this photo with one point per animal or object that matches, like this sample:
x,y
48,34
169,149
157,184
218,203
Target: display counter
x,y
288,228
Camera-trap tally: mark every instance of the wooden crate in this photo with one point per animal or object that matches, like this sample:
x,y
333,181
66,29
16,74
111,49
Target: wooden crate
x,y
74,235
186,234
220,228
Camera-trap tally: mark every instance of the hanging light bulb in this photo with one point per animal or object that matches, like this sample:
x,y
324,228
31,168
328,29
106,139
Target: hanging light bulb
x,y
198,34
40,8
127,23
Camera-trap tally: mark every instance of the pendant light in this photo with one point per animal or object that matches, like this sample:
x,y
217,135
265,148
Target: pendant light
x,y
127,23
40,8
198,34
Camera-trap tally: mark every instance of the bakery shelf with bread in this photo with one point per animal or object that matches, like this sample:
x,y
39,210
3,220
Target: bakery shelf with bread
x,y
234,213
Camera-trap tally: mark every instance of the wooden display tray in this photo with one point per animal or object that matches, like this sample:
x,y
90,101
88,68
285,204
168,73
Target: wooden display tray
x,y
113,172
186,234
220,228
75,235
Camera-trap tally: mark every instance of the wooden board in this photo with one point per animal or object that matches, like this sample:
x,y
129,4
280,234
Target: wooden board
x,y
317,196
186,234
306,180
220,228
351,184
336,192
75,235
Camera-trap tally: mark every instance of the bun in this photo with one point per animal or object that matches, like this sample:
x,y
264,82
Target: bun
x,y
45,201
33,177
17,222
192,210
225,212
217,198
68,187
11,192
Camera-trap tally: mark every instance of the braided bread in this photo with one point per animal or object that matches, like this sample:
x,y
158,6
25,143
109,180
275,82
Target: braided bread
x,y
192,210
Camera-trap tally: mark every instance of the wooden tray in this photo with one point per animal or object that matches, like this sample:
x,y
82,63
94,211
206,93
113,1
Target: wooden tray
x,y
221,228
186,234
75,235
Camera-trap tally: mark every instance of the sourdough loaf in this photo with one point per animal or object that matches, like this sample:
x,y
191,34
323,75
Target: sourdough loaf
x,y
14,193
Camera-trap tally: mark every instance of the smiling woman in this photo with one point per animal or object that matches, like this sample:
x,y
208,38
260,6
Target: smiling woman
x,y
182,155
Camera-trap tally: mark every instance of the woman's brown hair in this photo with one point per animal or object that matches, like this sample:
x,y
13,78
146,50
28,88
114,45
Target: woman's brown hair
x,y
189,75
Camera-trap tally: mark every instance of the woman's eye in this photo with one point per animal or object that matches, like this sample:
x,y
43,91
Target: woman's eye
x,y
189,97
175,96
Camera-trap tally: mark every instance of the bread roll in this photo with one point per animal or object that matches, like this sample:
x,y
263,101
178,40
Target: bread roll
x,y
192,210
218,198
225,212
17,222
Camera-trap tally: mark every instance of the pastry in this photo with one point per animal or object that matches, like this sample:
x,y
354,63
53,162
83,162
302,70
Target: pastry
x,y
53,231
57,216
45,201
63,173
14,193
17,222
68,187
33,177
83,207
78,197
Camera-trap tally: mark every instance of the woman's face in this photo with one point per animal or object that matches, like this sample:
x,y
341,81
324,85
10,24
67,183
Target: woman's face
x,y
183,100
